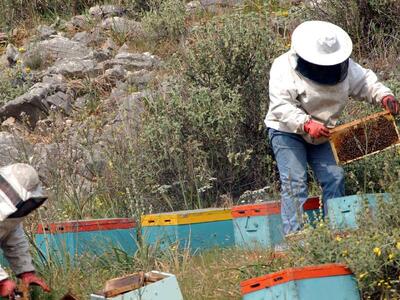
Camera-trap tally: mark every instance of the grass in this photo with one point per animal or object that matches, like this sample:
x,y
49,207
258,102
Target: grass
x,y
215,274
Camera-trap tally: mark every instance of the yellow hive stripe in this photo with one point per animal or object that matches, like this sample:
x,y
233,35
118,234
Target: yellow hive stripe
x,y
187,217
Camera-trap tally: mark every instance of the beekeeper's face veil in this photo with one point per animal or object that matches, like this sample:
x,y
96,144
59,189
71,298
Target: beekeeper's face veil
x,y
323,51
20,191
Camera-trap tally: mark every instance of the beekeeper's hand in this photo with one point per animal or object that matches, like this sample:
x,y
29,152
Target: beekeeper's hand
x,y
316,129
30,278
391,104
7,287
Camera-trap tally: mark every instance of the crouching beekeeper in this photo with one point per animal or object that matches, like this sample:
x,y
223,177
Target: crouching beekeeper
x,y
20,194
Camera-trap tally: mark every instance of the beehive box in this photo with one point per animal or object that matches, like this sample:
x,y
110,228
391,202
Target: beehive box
x,y
64,240
153,285
363,137
195,229
327,282
343,211
260,225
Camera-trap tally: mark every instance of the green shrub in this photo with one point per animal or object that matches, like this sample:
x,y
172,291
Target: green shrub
x,y
372,24
165,19
14,82
185,143
236,51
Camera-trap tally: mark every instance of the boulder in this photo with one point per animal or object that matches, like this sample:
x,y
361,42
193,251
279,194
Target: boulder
x,y
13,148
78,22
62,101
123,26
59,48
12,54
44,32
115,73
134,61
32,105
104,11
76,68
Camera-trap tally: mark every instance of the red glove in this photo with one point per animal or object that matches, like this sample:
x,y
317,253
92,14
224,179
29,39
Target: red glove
x,y
391,104
316,129
7,287
30,278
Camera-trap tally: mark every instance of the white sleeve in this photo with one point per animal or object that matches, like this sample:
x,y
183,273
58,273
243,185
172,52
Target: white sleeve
x,y
365,86
16,250
284,105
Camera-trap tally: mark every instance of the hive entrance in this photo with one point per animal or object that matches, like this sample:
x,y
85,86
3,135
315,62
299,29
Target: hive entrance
x,y
363,137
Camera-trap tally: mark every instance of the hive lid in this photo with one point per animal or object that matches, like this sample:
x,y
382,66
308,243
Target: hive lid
x,y
256,209
269,208
187,217
86,225
270,280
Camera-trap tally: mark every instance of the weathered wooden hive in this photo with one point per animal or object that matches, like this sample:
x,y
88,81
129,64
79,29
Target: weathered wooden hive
x,y
363,137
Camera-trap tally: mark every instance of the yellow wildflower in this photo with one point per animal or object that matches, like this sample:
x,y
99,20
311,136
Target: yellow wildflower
x,y
345,253
398,245
362,275
21,49
377,251
27,70
338,239
391,256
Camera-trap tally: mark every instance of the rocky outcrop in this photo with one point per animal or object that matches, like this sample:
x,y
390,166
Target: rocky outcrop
x,y
134,61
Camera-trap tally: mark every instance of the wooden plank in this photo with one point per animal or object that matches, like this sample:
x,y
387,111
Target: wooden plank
x,y
117,286
339,134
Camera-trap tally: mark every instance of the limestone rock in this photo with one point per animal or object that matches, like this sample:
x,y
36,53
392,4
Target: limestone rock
x,y
60,47
76,68
12,54
104,11
61,101
11,145
44,32
134,61
123,26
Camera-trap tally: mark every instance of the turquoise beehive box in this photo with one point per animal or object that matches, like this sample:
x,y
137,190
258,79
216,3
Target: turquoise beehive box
x,y
343,211
165,288
195,229
322,282
66,240
260,224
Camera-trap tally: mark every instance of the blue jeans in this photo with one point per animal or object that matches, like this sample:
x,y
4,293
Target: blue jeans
x,y
292,153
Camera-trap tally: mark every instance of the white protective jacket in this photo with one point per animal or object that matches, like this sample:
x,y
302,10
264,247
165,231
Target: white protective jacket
x,y
18,183
294,99
15,247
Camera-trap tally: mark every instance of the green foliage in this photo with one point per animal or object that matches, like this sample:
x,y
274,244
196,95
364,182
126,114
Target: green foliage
x,y
14,82
372,24
16,11
165,19
185,143
372,252
236,51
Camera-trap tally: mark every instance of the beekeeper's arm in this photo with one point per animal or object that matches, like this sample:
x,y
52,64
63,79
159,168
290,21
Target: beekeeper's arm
x,y
16,250
365,86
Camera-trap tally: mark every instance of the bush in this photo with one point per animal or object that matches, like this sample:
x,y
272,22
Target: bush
x,y
14,82
236,51
372,24
185,143
165,19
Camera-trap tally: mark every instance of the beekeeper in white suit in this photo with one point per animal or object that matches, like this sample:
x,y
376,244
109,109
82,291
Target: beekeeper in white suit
x,y
20,194
309,87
